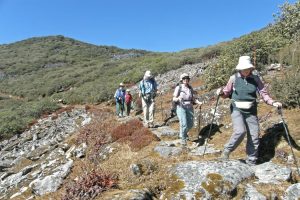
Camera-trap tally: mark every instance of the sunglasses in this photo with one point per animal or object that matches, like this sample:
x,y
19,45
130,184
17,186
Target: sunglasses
x,y
186,77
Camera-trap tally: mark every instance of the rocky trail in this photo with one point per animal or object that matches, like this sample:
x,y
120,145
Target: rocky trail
x,y
38,163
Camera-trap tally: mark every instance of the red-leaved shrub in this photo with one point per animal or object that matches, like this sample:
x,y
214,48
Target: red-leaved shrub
x,y
134,133
90,185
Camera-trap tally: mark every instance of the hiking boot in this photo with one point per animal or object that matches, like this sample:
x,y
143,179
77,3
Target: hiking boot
x,y
151,125
192,145
250,163
225,155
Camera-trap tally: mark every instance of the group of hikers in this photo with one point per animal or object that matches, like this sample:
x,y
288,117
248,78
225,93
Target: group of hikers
x,y
242,88
123,101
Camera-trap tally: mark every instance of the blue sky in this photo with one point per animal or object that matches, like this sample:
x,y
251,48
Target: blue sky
x,y
155,25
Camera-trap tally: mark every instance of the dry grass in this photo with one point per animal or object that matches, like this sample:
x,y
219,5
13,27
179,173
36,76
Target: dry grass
x,y
153,167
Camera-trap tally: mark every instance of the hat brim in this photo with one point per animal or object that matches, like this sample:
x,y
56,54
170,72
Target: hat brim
x,y
244,66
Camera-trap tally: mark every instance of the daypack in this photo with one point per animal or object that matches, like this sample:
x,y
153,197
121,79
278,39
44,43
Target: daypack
x,y
120,93
149,96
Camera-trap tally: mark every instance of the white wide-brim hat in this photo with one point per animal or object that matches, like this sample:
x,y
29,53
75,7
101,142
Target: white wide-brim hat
x,y
244,63
148,74
183,76
121,84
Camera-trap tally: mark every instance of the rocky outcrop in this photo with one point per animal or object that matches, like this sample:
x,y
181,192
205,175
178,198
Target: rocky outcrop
x,y
37,160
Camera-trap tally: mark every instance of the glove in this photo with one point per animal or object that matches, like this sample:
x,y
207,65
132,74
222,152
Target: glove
x,y
220,91
198,102
277,104
177,99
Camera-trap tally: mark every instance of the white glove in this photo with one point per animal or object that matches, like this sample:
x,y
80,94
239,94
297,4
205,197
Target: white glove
x,y
220,91
177,99
277,104
198,102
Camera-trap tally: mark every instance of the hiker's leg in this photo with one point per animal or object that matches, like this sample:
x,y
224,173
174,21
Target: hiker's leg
x,y
128,107
239,131
122,109
117,108
181,113
190,118
151,112
145,112
252,126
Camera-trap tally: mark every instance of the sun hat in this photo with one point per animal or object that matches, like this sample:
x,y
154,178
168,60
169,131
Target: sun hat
x,y
121,84
184,75
127,90
148,74
244,63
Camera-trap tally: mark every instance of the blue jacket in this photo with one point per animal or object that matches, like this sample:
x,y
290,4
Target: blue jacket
x,y
148,86
120,94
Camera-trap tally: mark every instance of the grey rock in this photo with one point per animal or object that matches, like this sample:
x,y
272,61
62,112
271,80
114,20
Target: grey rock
x,y
80,151
52,182
136,169
133,194
165,131
292,192
165,149
211,179
198,151
271,173
252,194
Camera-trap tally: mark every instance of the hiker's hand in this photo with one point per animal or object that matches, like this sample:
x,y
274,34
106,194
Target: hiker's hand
x,y
178,99
220,91
277,104
198,102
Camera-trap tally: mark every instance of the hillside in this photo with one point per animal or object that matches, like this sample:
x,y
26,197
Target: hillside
x,y
77,72
39,73
86,151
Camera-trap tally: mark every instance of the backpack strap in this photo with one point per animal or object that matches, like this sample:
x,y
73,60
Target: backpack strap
x,y
190,87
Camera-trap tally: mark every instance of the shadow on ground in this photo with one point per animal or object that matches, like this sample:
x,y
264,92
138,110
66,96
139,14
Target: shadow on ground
x,y
205,133
269,141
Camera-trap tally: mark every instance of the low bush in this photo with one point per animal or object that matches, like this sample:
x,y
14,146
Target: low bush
x,y
126,130
133,133
90,185
287,89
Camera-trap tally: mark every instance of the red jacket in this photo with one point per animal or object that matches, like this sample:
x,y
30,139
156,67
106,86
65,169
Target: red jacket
x,y
128,98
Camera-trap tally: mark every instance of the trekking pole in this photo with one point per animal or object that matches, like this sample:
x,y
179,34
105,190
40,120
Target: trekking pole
x,y
287,135
162,112
211,125
199,120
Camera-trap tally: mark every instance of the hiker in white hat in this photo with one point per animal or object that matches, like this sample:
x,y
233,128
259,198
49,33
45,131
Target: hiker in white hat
x,y
120,98
242,88
147,91
184,97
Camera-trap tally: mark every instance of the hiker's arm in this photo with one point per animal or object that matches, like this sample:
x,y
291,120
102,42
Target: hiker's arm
x,y
263,92
140,89
116,94
175,94
227,90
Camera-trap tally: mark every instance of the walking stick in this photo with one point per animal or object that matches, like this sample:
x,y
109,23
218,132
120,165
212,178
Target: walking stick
x,y
211,125
287,135
162,112
199,120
